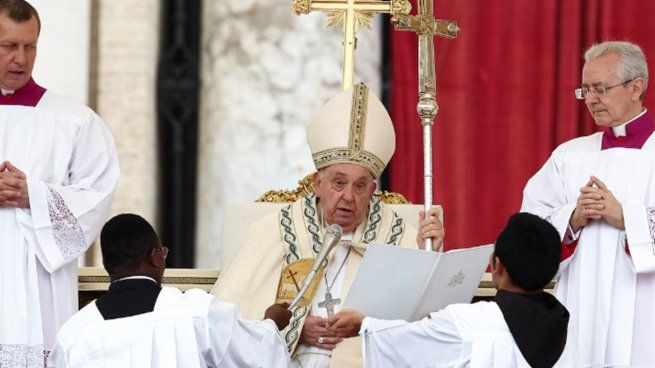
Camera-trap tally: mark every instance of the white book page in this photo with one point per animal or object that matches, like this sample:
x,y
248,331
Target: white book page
x,y
390,281
455,279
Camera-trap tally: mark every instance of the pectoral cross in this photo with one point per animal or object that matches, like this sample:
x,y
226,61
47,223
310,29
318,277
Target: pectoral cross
x,y
351,15
329,304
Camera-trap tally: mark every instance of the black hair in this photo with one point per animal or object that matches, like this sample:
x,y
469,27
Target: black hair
x,y
530,249
126,240
19,11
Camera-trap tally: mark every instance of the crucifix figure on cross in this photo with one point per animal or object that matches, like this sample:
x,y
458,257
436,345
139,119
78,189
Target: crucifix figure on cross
x,y
351,15
329,304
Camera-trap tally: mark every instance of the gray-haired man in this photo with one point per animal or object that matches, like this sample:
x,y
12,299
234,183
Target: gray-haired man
x,y
598,192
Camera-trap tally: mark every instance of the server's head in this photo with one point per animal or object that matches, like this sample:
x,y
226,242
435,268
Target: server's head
x,y
130,247
19,32
527,254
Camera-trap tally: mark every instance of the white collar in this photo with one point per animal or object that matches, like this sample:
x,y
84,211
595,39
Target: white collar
x,y
135,278
7,91
620,130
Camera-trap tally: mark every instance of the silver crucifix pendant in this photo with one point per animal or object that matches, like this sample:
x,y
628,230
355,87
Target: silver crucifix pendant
x,y
329,304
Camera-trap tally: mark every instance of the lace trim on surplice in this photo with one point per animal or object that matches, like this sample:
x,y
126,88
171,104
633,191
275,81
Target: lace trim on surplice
x,y
23,356
651,221
66,230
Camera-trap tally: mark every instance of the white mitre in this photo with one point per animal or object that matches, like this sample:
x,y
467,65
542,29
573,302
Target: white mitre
x,y
354,128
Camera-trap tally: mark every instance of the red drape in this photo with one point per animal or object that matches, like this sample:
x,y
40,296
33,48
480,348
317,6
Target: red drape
x,y
505,91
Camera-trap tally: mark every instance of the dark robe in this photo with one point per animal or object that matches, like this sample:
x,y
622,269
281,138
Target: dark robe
x,y
538,323
126,298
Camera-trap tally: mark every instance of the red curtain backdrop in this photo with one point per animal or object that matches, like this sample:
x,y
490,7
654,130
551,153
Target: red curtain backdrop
x,y
505,92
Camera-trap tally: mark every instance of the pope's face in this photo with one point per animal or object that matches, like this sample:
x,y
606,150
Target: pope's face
x,y
344,192
17,51
619,104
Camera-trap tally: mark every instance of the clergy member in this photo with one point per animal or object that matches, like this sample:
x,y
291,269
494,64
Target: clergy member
x,y
523,327
352,139
599,192
140,324
58,172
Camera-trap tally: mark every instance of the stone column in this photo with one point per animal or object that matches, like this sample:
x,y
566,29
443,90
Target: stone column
x,y
265,72
125,49
63,52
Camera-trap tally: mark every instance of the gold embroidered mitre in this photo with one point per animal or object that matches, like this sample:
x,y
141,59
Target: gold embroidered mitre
x,y
354,128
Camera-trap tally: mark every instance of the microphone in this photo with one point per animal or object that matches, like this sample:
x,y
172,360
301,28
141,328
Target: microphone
x,y
331,239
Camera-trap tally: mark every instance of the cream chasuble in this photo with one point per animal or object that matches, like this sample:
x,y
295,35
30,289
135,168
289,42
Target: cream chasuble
x,y
251,280
184,330
608,287
70,161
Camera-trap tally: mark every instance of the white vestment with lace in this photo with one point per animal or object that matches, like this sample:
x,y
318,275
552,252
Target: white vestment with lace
x,y
70,161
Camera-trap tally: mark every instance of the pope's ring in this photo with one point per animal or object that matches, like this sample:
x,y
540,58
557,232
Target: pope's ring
x,y
320,340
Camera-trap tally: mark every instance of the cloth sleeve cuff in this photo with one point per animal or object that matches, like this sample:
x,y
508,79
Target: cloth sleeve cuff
x,y
637,228
273,326
37,191
639,237
571,237
364,327
560,219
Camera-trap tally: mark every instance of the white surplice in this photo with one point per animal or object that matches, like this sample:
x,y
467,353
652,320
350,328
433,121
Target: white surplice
x,y
459,336
70,161
190,330
610,293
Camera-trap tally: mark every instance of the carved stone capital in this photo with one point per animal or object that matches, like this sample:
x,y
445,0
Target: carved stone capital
x,y
301,6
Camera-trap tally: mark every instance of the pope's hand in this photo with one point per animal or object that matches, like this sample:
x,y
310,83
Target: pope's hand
x,y
346,323
13,187
315,333
430,227
279,314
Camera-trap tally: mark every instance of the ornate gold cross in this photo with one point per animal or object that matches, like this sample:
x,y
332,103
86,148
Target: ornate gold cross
x,y
351,15
426,27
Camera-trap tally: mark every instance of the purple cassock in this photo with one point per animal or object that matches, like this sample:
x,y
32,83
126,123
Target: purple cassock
x,y
28,95
637,132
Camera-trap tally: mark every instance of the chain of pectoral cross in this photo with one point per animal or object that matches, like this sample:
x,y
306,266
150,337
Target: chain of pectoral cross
x,y
329,303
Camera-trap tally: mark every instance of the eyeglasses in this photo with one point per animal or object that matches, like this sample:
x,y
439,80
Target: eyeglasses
x,y
164,251
583,92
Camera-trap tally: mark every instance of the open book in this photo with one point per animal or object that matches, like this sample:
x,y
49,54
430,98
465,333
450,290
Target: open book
x,y
409,284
